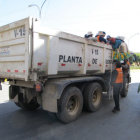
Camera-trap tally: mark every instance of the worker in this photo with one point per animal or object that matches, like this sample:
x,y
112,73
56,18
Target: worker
x,y
100,37
126,69
117,81
126,66
115,43
123,48
89,36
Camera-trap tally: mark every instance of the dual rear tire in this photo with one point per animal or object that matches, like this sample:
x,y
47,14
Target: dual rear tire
x,y
93,97
71,102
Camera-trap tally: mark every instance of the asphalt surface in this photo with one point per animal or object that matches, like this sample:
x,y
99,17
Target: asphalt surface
x,y
102,125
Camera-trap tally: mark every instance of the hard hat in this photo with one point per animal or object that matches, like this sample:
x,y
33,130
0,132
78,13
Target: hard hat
x,y
120,37
122,61
101,33
89,33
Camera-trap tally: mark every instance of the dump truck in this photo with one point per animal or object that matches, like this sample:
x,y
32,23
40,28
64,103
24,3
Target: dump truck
x,y
58,71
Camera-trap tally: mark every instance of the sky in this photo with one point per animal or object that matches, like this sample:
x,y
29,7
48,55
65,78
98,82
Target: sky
x,y
115,17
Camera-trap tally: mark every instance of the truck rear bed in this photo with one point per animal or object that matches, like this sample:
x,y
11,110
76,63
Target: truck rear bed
x,y
28,52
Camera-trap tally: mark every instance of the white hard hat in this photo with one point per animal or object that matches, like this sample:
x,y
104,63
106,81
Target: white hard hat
x,y
122,61
120,37
89,33
101,33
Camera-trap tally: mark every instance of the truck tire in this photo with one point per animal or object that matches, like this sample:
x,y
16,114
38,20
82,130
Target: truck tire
x,y
32,105
70,105
93,97
125,87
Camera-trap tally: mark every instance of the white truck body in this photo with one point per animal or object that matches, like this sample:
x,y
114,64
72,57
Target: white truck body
x,y
57,70
27,49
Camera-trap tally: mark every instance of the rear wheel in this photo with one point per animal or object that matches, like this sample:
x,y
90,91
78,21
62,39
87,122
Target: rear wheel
x,y
70,105
93,97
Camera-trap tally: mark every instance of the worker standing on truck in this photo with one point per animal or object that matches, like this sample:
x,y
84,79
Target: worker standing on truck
x,y
89,35
115,43
123,48
117,81
126,69
100,37
126,66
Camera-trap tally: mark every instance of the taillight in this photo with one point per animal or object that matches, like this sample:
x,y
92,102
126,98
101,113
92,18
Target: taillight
x,y
38,87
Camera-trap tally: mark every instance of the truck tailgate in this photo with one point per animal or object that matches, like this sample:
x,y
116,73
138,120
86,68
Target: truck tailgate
x,y
15,47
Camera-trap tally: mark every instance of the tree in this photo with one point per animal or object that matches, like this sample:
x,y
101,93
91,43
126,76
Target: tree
x,y
138,59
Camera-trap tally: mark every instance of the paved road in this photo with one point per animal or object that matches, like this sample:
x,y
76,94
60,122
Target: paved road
x,y
103,125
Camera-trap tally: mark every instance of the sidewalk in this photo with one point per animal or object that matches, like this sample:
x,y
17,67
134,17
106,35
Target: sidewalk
x,y
136,76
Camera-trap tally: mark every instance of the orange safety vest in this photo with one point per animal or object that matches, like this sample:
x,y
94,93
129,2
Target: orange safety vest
x,y
119,78
98,38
